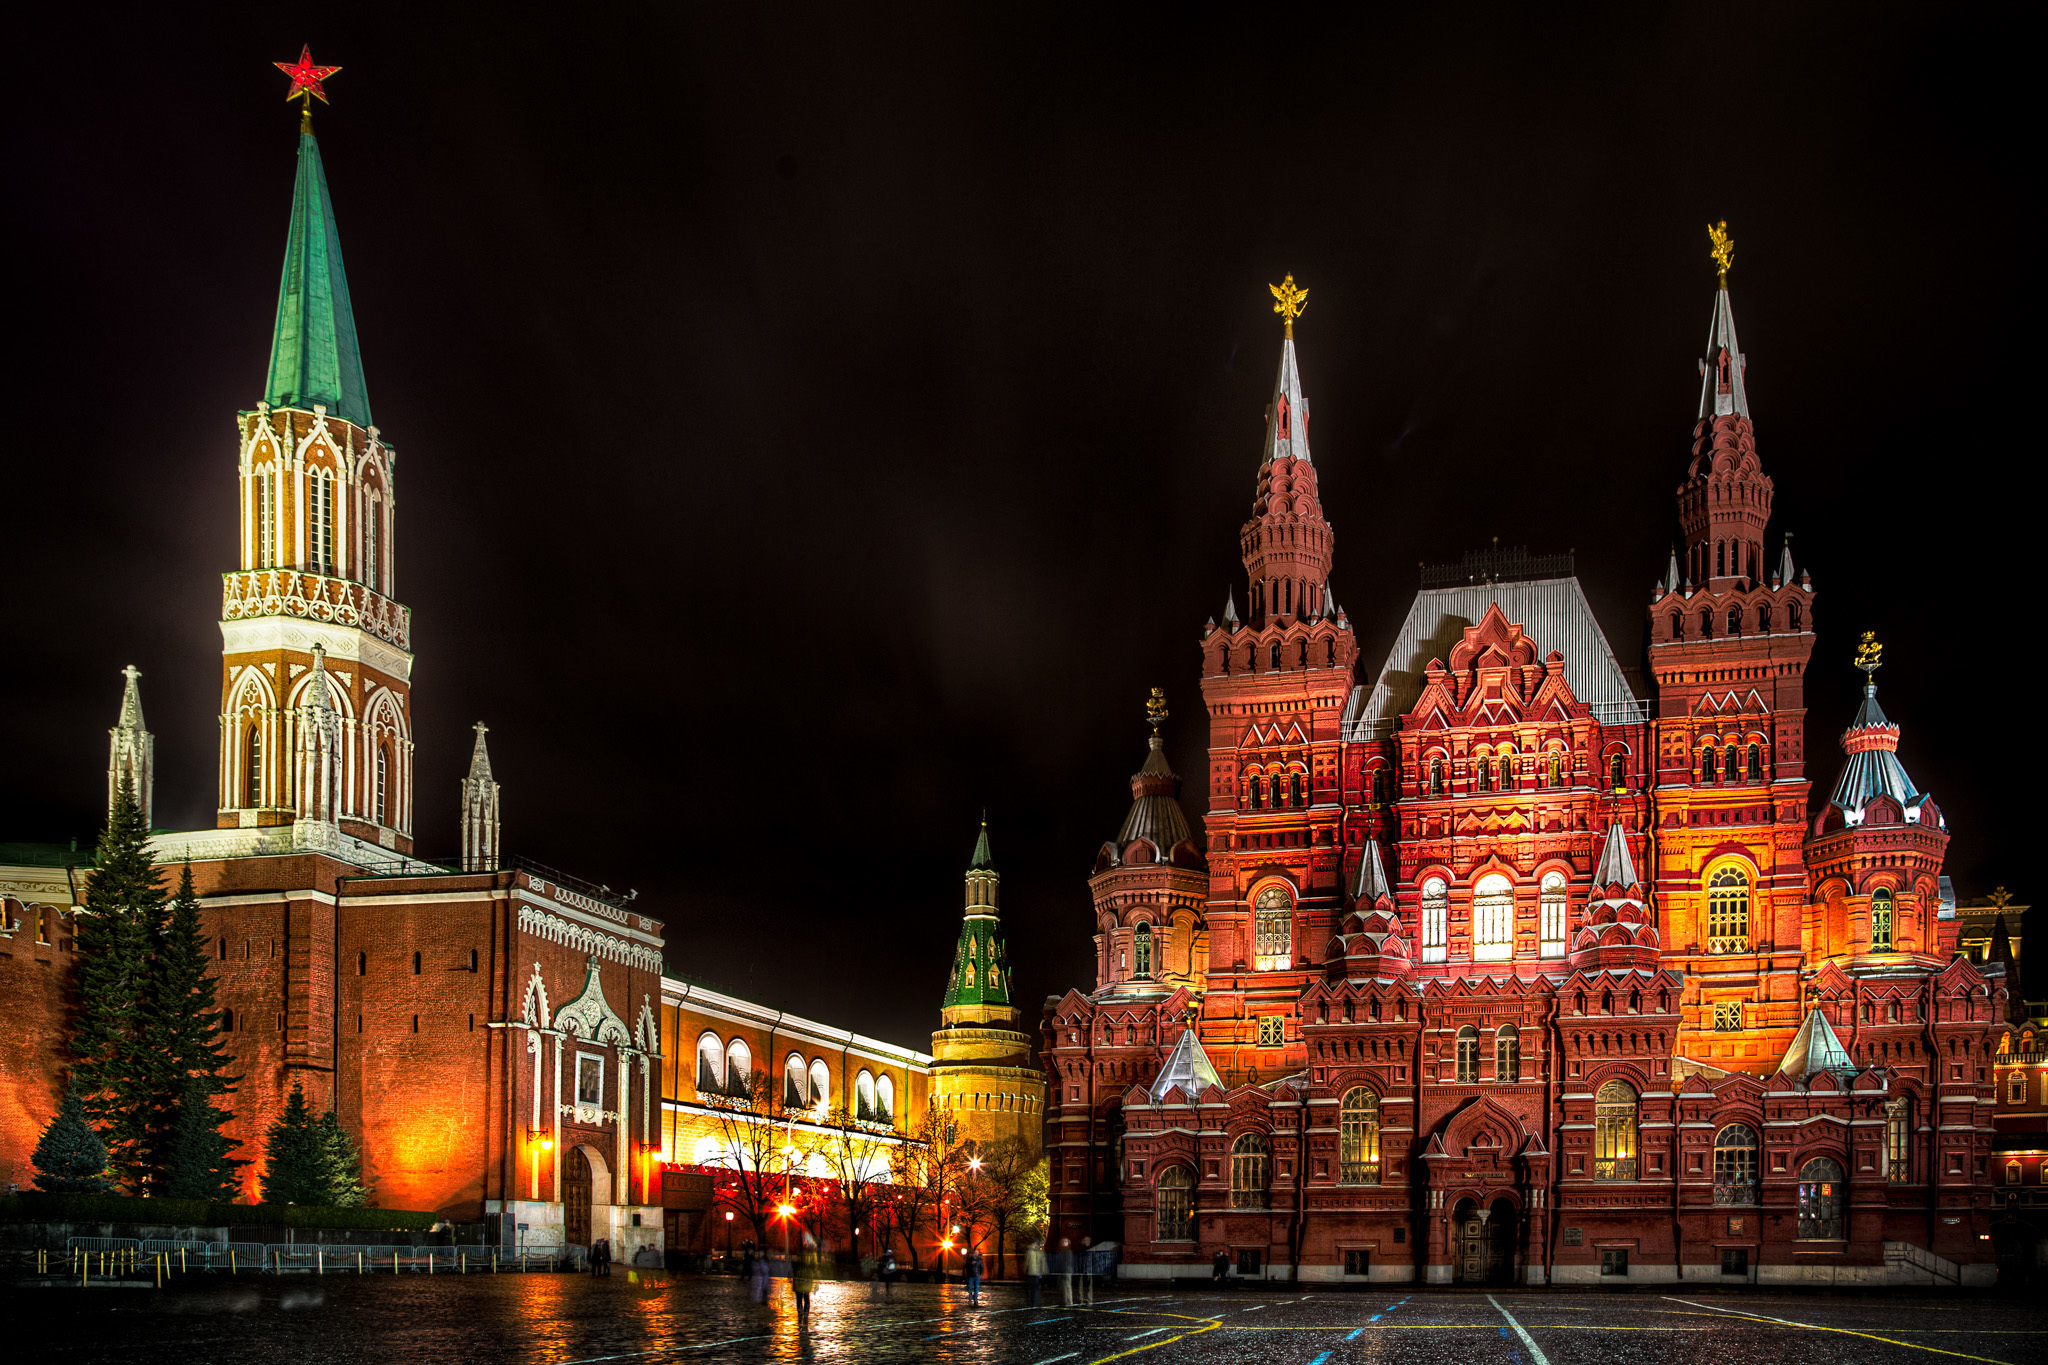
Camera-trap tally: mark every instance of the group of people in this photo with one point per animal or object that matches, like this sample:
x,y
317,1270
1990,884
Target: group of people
x,y
601,1256
803,1276
1074,1267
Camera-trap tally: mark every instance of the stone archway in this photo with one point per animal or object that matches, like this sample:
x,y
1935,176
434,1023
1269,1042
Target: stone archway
x,y
586,1183
1483,1242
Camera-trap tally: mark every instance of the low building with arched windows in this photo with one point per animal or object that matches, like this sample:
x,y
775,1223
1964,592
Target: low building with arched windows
x,y
1508,963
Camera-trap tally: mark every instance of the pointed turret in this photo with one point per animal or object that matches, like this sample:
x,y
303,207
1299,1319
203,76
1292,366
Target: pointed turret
x,y
979,987
1873,769
1617,868
131,749
1815,1049
1371,883
480,820
313,352
1616,932
1188,1070
1230,610
1725,501
1155,830
1287,543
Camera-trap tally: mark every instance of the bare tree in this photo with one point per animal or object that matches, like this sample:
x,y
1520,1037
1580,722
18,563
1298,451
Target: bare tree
x,y
994,1186
855,1158
923,1176
755,1149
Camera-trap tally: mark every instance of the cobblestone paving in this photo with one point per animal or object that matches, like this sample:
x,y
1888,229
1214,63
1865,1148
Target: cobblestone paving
x,y
569,1320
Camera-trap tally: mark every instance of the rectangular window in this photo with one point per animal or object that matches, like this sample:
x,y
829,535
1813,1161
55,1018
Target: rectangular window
x,y
1728,1016
2012,1172
1357,1262
1248,1262
1493,922
1435,921
370,519
1735,1260
1553,916
320,530
266,517
1400,1236
1270,1030
1614,1261
589,1080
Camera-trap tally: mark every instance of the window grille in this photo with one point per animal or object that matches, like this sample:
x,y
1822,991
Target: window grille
x,y
1249,1158
1898,1162
320,531
1820,1199
1436,903
383,780
1270,1030
1141,950
1468,1054
266,516
1553,901
1735,1165
1272,927
1728,1016
1728,911
1359,1138
1493,919
1881,921
1614,1132
253,778
1507,1054
1176,1205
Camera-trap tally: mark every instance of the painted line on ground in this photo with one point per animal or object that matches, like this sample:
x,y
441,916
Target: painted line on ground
x,y
1845,1331
1152,1332
1320,1359
666,1350
1050,1360
1535,1351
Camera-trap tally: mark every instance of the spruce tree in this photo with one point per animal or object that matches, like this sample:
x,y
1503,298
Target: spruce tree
x,y
197,1162
295,1155
342,1163
180,1033
70,1158
123,906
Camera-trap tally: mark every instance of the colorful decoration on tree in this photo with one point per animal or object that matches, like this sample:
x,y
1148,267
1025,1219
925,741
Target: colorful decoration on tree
x,y
308,80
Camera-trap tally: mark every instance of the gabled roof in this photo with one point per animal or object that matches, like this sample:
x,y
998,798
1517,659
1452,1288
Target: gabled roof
x,y
313,352
1187,1068
1816,1049
1553,614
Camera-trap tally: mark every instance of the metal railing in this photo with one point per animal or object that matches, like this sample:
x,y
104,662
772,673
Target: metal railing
x,y
1499,564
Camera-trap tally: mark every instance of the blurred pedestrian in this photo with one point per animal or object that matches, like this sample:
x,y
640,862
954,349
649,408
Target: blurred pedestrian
x,y
1087,1270
1063,1269
889,1273
1220,1269
760,1285
803,1277
1034,1269
974,1269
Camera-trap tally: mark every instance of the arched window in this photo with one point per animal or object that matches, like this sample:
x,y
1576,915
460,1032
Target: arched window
x,y
1379,786
1707,766
371,516
1249,1158
1255,793
1557,770
1792,616
1273,928
1436,904
885,1100
1141,950
1493,919
252,752
320,527
1358,1157
1820,1200
1436,777
1505,769
1617,771
1735,620
1485,774
1294,787
1898,1155
1735,1165
1553,914
383,783
864,1097
710,1062
1706,623
1763,618
739,1070
1728,910
1176,1205
1678,625
1720,557
1881,921
266,516
795,1082
1507,1054
1756,762
1276,654
821,1085
1614,1132
1468,1054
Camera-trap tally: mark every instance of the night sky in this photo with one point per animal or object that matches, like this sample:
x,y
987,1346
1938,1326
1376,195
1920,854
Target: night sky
x,y
815,427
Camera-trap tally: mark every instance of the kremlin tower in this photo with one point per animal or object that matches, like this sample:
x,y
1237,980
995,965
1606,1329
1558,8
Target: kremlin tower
x,y
985,1082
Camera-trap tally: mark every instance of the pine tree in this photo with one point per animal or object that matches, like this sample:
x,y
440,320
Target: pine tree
x,y
342,1164
70,1158
123,906
295,1155
180,1033
197,1162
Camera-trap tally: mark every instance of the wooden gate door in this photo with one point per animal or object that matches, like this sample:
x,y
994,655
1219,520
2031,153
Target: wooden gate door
x,y
1475,1250
576,1198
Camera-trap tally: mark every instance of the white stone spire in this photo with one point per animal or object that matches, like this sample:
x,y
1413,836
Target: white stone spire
x,y
479,810
131,751
1722,390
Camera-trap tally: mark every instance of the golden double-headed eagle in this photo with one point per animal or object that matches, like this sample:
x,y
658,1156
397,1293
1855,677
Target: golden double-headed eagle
x,y
1867,652
1724,248
1288,301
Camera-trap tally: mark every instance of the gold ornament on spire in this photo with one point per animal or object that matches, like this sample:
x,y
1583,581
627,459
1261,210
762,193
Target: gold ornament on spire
x,y
1867,653
1288,302
1724,249
1155,708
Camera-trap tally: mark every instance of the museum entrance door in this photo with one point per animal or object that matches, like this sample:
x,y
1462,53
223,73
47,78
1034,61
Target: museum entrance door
x,y
576,1198
1483,1248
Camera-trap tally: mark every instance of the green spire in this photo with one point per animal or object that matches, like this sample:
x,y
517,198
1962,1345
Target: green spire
x,y
313,354
982,857
981,966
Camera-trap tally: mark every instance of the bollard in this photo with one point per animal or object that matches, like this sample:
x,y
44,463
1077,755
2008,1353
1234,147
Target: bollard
x,y
430,1260
181,1261
394,1263
494,1260
320,1260
231,1260
359,1263
159,1271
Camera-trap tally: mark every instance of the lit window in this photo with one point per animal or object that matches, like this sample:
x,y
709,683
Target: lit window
x,y
1728,911
1249,1158
1614,1132
821,1085
1617,771
320,528
1553,900
1707,768
1486,774
383,783
1379,786
1436,777
1468,1053
1141,948
2012,1172
1735,1165
739,1070
795,1081
1506,769
1176,1205
1557,770
373,514
2015,1086
1436,902
1881,921
1270,1030
1820,1199
1273,927
1727,1016
1898,1162
252,753
266,516
710,1059
1507,1054
1359,1138
1493,919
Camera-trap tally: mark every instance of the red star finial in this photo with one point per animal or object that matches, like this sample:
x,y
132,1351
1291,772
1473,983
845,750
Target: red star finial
x,y
306,77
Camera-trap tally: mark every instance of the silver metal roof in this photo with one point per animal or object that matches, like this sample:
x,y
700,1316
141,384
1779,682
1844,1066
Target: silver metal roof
x,y
1188,1067
1155,817
1617,868
1720,334
1553,613
1874,772
1371,882
1815,1049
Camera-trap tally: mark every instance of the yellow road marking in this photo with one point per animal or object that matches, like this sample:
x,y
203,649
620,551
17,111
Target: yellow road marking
x,y
1845,1331
1155,1345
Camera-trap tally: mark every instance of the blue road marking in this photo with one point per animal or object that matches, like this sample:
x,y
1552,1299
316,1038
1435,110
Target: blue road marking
x,y
1320,1359
1356,1334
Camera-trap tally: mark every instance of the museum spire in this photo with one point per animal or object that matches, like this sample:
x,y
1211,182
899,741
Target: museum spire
x,y
1287,543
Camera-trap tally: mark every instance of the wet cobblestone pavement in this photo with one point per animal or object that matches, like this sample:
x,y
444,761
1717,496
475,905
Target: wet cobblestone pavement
x,y
569,1320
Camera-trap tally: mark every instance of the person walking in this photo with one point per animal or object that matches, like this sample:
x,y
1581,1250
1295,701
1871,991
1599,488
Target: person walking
x,y
1034,1269
759,1288
1087,1271
889,1273
1063,1269
974,1269
1220,1269
803,1277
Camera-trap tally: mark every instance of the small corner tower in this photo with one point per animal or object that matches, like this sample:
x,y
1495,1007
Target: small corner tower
x,y
985,1079
316,486
1150,886
480,810
131,749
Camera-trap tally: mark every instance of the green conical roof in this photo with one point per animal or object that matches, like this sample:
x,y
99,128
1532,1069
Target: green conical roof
x,y
313,354
981,965
982,857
